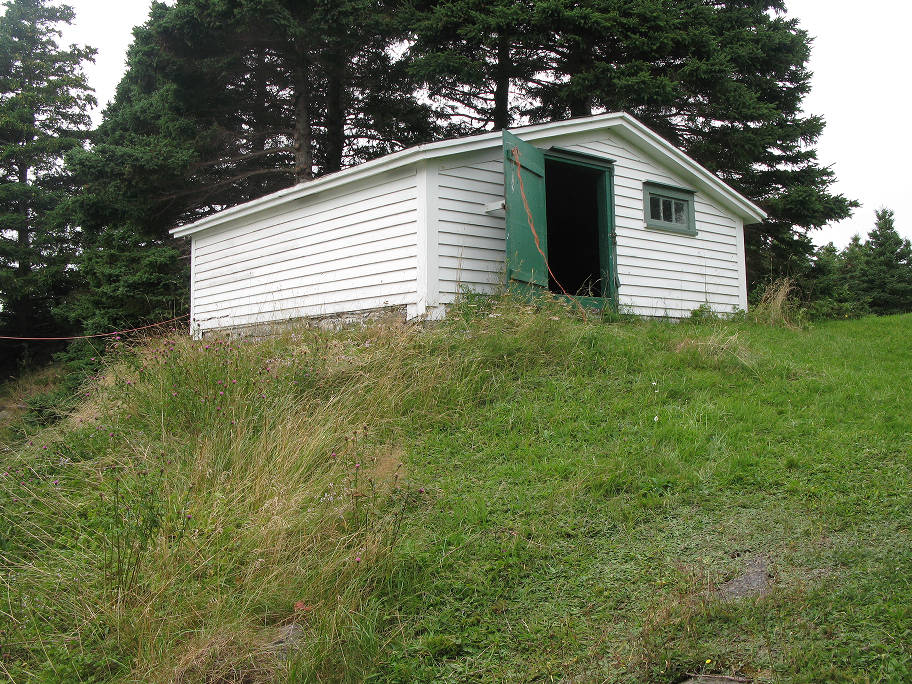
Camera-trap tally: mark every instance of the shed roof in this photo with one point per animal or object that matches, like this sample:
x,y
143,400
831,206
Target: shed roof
x,y
621,123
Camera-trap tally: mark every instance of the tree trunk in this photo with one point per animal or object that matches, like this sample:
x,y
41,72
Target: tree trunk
x,y
22,302
502,84
579,103
303,131
23,236
258,137
335,112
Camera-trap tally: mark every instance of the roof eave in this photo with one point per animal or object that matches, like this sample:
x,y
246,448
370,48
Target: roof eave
x,y
741,205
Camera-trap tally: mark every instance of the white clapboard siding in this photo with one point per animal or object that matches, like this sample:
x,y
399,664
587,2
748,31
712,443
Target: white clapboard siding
x,y
410,230
350,249
661,273
471,242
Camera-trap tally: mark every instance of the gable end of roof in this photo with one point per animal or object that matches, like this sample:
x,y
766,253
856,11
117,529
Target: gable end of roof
x,y
630,128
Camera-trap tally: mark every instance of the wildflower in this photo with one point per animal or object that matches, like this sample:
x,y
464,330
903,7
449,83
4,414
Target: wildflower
x,y
708,661
357,559
655,419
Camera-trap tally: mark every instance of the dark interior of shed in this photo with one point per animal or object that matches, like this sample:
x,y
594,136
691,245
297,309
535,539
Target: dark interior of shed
x,y
572,196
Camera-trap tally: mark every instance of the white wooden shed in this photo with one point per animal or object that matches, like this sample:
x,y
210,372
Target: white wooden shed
x,y
621,217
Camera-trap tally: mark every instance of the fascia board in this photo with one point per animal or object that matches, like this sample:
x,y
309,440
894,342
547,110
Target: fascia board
x,y
458,146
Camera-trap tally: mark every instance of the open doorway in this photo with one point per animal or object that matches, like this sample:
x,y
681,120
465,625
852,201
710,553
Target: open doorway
x,y
572,205
559,222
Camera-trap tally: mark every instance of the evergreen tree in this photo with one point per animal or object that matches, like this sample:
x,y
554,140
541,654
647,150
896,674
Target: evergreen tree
x,y
44,105
224,101
828,285
884,275
724,80
472,56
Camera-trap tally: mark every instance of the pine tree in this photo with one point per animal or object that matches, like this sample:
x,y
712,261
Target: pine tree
x,y
225,101
474,57
44,111
884,276
723,80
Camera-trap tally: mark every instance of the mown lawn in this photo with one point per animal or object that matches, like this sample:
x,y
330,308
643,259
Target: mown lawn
x,y
571,495
589,501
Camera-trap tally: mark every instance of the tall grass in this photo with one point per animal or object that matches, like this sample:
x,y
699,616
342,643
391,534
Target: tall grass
x,y
506,496
204,496
778,305
212,507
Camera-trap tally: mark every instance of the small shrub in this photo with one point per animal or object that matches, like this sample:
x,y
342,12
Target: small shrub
x,y
703,314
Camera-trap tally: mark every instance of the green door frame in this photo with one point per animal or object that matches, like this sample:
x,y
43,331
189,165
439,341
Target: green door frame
x,y
606,228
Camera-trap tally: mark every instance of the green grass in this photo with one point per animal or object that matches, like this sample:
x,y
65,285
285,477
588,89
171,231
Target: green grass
x,y
571,492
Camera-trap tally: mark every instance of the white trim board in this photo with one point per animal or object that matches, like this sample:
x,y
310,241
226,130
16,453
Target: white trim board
x,y
621,123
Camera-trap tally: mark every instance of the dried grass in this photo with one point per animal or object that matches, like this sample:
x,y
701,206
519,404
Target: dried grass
x,y
778,306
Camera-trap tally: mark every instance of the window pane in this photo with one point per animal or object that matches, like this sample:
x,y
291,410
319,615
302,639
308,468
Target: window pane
x,y
655,208
666,210
680,213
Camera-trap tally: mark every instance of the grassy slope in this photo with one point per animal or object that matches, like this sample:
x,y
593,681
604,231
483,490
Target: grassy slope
x,y
570,492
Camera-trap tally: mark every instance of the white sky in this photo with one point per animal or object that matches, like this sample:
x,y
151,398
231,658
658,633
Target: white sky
x,y
860,62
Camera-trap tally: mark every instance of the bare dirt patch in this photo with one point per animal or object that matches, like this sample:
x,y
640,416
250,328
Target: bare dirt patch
x,y
754,581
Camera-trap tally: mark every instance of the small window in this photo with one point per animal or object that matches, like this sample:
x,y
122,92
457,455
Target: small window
x,y
669,208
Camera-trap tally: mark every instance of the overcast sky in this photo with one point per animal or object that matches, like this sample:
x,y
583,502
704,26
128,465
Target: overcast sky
x,y
860,62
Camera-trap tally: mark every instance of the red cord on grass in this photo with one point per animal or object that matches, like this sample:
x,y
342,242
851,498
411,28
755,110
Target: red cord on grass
x,y
87,337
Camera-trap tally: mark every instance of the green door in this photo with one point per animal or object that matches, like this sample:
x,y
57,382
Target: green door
x,y
527,229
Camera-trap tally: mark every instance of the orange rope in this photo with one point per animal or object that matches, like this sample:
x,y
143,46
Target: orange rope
x,y
522,192
88,337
